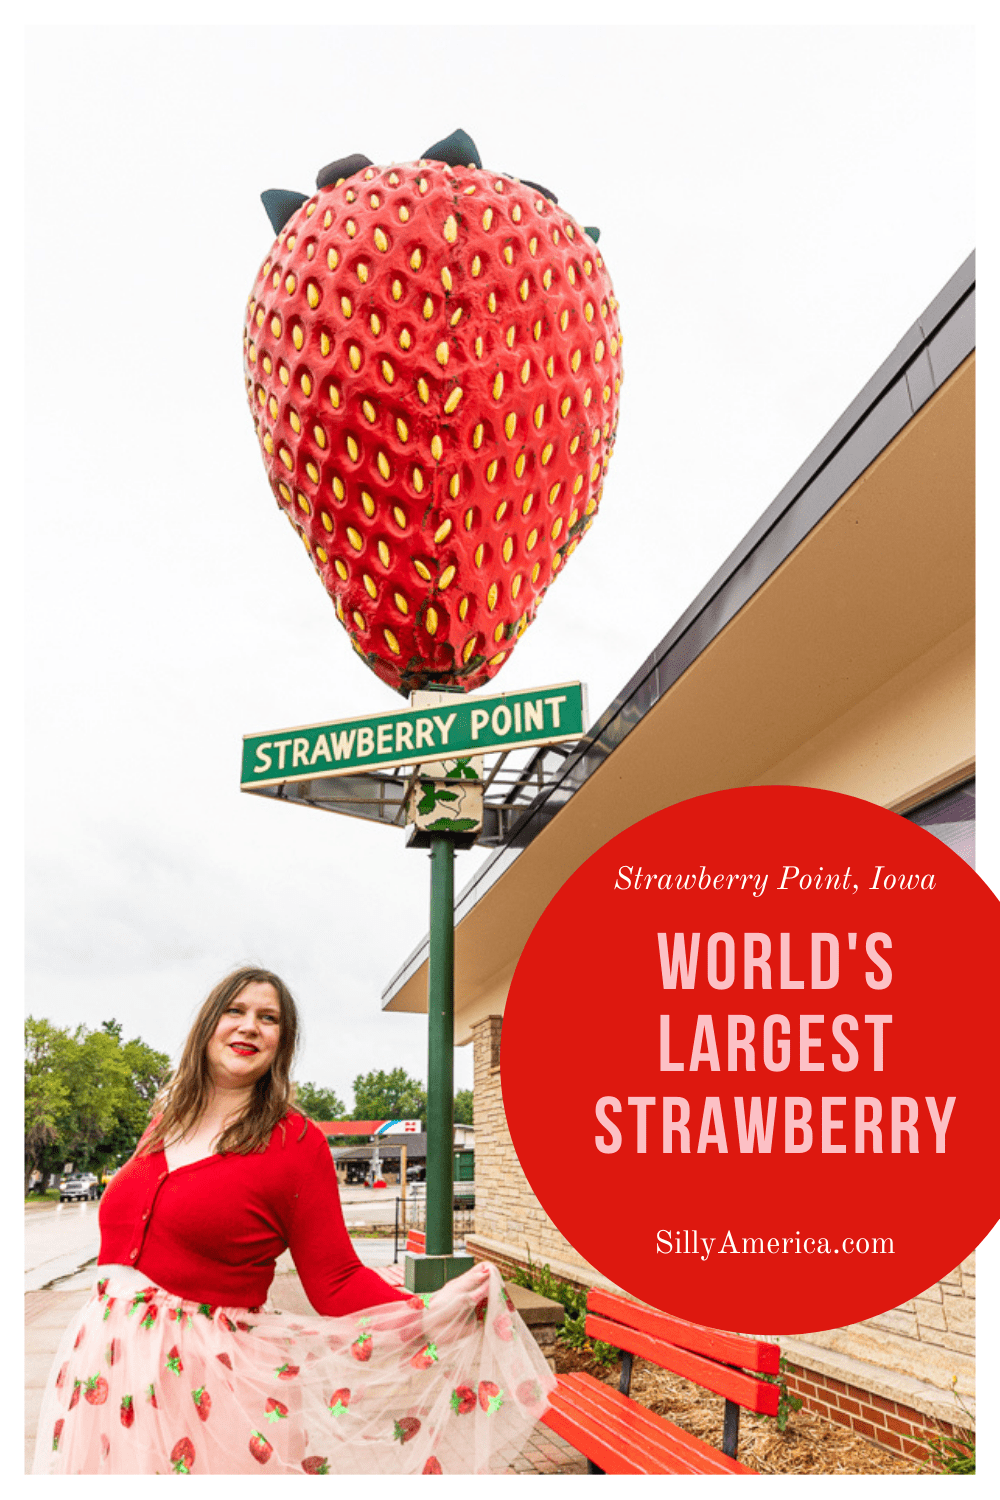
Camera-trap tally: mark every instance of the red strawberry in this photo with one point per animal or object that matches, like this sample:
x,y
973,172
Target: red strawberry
x,y
74,1398
431,1466
503,1327
463,1399
60,1378
225,1360
113,1351
260,1447
95,1390
480,1309
405,1428
339,1402
509,1301
78,1340
150,1317
276,1410
490,1396
182,1456
151,1396
107,1310
287,1372
432,360
362,1347
127,1412
57,1433
202,1401
102,1287
174,1363
529,1393
425,1357
315,1465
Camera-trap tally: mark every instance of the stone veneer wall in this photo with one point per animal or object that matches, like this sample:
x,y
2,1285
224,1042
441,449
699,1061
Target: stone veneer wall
x,y
890,1377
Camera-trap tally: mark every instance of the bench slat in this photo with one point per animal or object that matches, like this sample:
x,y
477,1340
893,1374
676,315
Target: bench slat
x,y
681,1451
624,1437
730,1348
755,1395
605,1452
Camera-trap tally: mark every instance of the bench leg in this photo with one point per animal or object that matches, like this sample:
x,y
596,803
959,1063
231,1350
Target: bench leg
x,y
592,1467
731,1429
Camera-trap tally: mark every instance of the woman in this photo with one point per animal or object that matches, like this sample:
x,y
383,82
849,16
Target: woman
x,y
173,1366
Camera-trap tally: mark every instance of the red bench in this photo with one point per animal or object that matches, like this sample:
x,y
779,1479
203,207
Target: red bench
x,y
416,1241
617,1435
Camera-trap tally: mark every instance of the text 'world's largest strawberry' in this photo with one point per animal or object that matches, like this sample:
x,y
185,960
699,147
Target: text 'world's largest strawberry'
x,y
433,362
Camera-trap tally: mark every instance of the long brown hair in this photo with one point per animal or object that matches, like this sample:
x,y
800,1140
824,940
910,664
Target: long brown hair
x,y
185,1095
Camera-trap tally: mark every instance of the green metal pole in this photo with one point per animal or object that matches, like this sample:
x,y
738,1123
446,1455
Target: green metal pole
x,y
440,1047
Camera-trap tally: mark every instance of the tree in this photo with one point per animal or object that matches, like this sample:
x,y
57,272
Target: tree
x,y
87,1095
463,1107
319,1104
388,1096
46,1097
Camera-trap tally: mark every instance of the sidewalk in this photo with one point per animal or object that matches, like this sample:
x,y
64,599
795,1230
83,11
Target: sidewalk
x,y
47,1313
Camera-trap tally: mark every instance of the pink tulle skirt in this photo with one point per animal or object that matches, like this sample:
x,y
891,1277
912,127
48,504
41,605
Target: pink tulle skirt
x,y
147,1383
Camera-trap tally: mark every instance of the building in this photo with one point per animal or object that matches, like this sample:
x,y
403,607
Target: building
x,y
840,636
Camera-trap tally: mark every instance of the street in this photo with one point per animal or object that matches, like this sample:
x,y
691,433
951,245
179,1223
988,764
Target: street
x,y
59,1240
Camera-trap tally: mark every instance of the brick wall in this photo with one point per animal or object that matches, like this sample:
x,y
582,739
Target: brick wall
x,y
891,1424
922,1350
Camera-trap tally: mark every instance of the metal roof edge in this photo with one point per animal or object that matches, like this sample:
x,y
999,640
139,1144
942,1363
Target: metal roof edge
x,y
925,357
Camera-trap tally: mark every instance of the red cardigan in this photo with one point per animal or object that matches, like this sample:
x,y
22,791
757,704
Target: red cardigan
x,y
211,1231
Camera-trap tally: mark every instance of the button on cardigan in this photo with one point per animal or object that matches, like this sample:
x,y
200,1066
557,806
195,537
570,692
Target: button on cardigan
x,y
211,1231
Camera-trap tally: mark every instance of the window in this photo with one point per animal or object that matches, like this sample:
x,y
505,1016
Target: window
x,y
951,818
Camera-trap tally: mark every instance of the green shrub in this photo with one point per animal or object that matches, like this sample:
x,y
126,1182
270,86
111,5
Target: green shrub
x,y
573,1331
786,1402
955,1455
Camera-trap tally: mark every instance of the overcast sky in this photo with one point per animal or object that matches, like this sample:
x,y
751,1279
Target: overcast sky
x,y
776,206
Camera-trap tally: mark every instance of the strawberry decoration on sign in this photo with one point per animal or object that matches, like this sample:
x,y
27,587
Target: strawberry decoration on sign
x,y
433,361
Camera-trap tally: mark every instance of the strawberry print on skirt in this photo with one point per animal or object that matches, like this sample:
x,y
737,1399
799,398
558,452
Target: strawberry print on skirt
x,y
422,1387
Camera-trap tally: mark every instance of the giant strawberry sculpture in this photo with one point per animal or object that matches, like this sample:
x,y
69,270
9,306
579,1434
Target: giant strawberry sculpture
x,y
433,362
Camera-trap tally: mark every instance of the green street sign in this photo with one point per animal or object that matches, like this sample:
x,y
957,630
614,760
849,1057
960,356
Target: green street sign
x,y
413,736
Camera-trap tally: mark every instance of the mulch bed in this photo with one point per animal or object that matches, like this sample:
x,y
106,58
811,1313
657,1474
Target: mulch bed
x,y
808,1445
